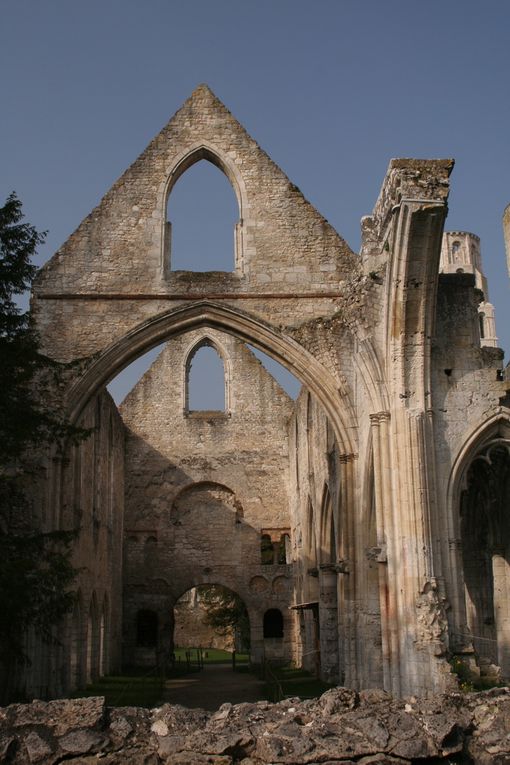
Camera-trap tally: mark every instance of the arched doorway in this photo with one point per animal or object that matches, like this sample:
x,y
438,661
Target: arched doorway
x,y
211,616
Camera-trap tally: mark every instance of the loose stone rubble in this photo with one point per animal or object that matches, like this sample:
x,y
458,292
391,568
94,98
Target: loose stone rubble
x,y
369,728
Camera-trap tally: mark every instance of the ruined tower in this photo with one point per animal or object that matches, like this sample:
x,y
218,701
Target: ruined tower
x,y
460,254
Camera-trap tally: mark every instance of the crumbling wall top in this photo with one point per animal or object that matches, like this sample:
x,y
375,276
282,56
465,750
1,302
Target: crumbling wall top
x,y
406,179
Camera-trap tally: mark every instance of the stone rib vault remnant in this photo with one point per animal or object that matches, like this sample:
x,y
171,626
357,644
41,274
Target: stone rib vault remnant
x,y
373,482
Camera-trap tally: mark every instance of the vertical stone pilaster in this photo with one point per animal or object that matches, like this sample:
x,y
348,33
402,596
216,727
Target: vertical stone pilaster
x,y
385,538
328,616
346,585
501,580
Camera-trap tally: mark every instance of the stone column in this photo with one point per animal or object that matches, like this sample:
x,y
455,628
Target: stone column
x,y
501,608
346,584
384,523
328,619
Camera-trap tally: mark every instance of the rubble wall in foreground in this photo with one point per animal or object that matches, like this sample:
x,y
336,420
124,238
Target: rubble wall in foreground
x,y
342,726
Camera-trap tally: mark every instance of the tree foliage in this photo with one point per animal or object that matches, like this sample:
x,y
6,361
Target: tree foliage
x,y
226,613
35,570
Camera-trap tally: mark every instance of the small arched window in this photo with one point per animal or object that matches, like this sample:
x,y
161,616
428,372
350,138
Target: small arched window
x,y
146,628
273,623
206,386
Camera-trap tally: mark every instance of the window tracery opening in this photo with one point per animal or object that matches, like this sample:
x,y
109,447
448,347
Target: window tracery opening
x,y
203,219
206,381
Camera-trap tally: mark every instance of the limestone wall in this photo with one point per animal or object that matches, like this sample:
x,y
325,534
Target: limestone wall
x,y
367,469
201,487
285,248
92,485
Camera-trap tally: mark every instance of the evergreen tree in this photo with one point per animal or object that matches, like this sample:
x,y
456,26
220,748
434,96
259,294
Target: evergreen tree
x,y
36,575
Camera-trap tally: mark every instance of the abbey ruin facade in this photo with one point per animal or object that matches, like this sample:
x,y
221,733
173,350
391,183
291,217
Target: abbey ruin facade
x,y
382,490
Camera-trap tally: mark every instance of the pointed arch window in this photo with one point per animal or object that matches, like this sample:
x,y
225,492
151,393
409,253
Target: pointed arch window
x,y
206,381
203,217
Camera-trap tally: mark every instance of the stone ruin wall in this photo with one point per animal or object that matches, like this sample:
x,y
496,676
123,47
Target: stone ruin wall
x,y
201,487
365,326
366,728
92,482
121,249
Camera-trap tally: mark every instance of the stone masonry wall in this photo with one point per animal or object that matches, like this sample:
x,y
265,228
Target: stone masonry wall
x,y
201,487
92,484
286,249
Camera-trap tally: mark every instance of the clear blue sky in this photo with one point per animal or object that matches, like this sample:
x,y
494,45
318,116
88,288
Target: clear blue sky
x,y
331,89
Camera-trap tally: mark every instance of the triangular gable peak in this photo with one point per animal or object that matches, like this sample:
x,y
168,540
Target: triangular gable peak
x,y
282,242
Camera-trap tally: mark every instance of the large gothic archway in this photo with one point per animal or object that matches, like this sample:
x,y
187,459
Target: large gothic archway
x,y
242,325
481,523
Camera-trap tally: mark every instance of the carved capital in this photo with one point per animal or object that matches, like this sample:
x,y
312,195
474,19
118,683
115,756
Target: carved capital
x,y
378,417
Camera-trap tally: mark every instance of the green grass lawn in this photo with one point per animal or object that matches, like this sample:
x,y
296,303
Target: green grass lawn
x,y
211,656
129,689
288,681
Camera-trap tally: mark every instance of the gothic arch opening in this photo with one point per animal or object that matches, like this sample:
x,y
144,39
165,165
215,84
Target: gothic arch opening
x,y
232,321
485,543
206,379
203,218
190,528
